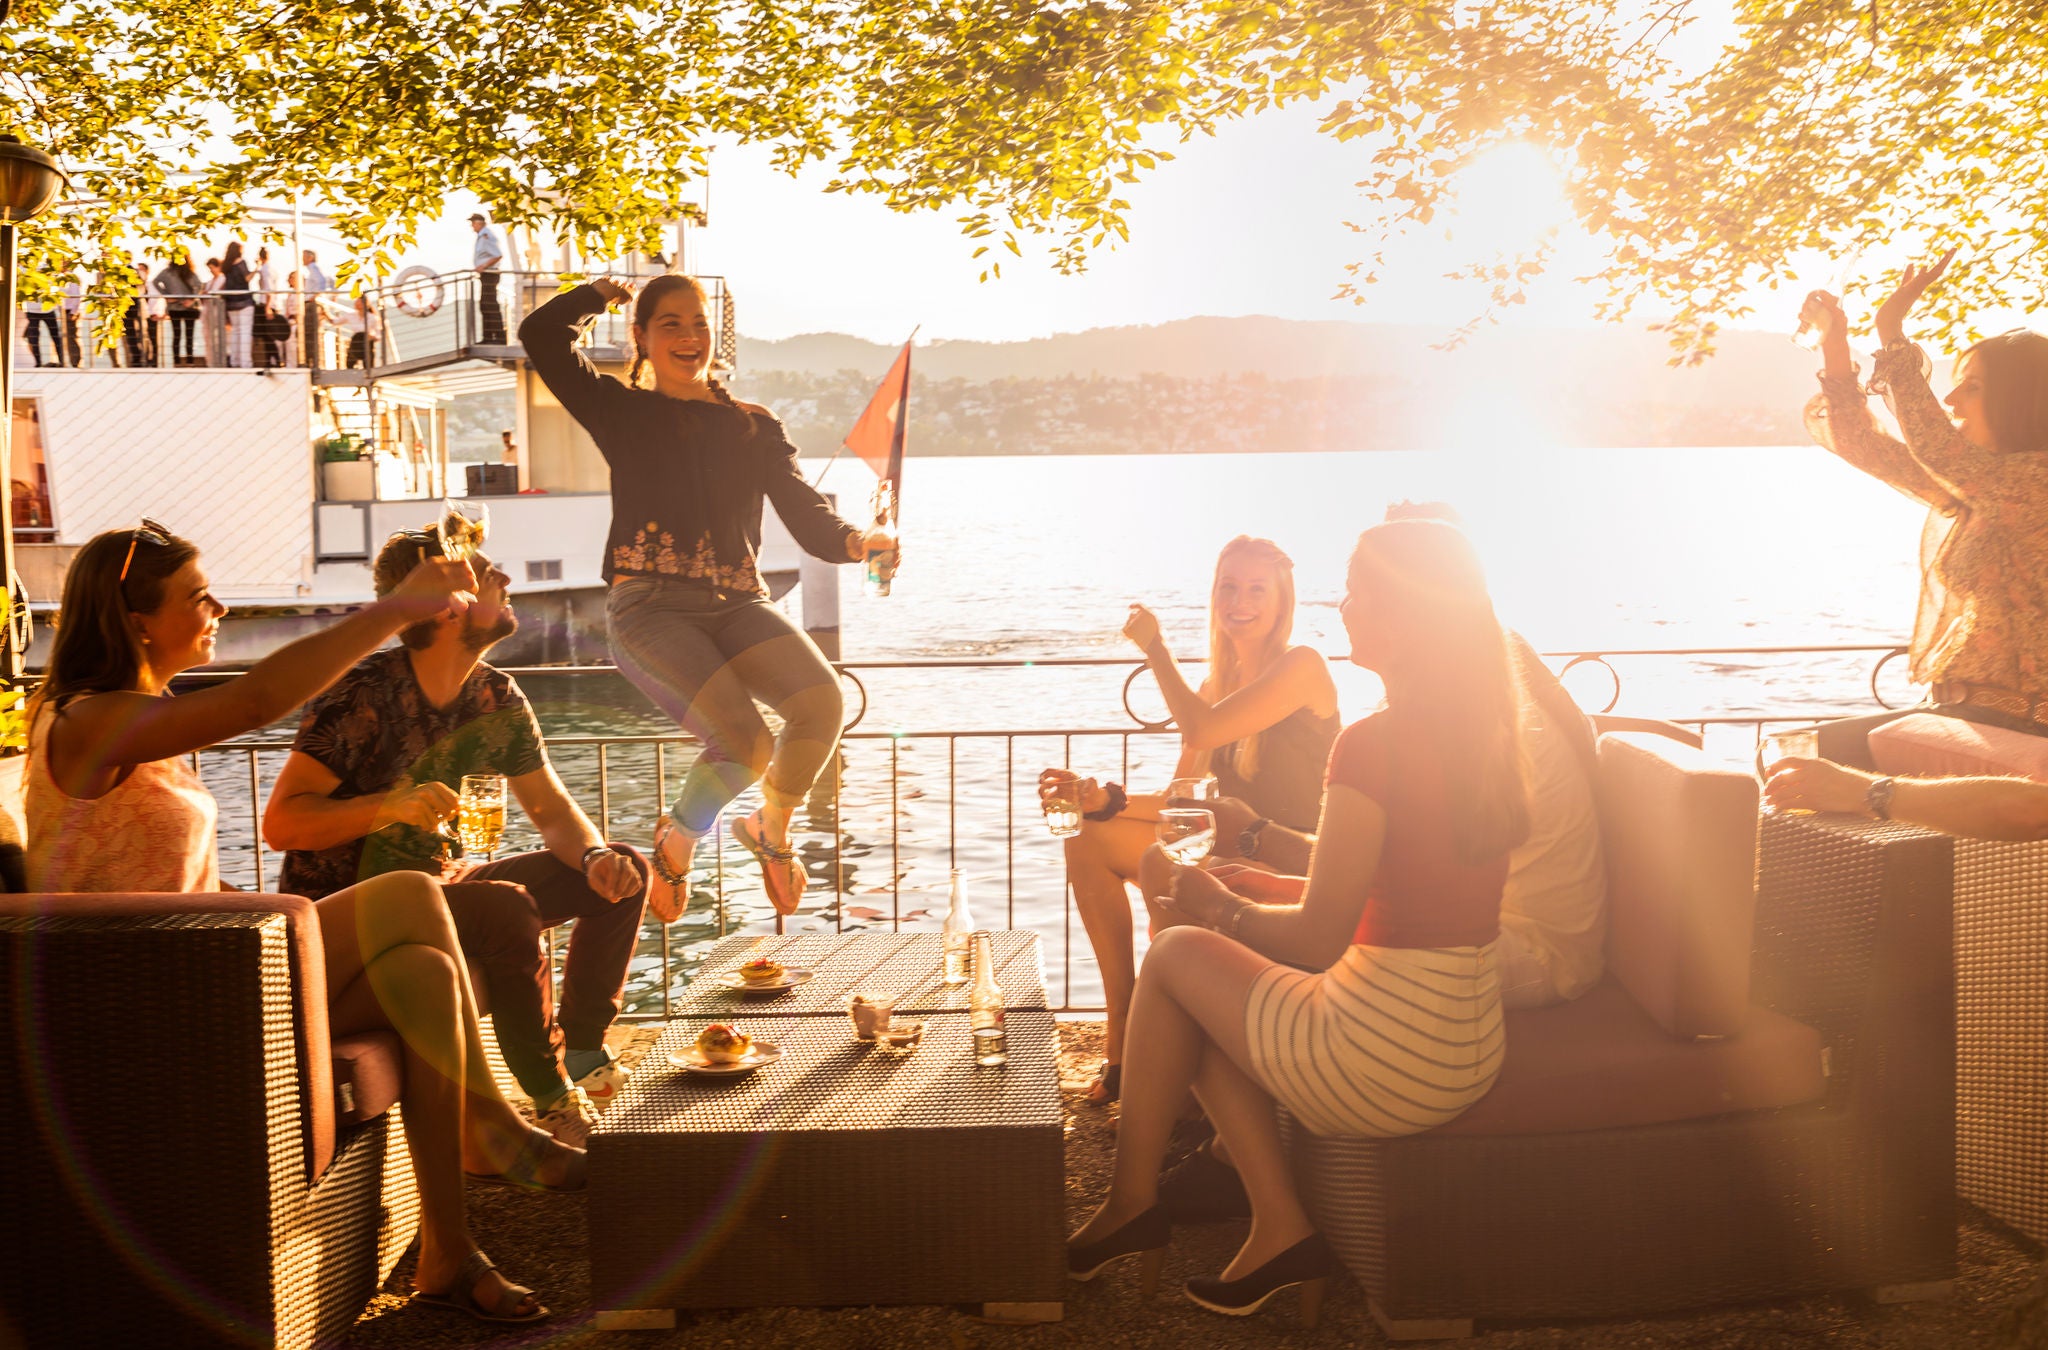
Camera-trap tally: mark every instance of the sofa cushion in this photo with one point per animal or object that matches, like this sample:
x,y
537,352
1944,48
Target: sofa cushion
x,y
1601,1062
369,1073
1681,881
1949,747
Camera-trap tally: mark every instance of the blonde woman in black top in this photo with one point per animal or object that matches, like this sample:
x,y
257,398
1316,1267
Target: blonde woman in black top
x,y
689,617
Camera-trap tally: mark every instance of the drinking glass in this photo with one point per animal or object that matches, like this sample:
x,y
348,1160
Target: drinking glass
x,y
480,814
1203,789
1062,802
1187,833
462,528
1786,745
1806,335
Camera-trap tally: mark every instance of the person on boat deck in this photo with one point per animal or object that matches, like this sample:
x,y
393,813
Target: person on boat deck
x,y
241,304
1262,722
371,780
689,617
1980,639
1367,1001
180,286
113,807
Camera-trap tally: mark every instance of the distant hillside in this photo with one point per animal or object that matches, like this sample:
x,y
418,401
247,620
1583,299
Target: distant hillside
x,y
1265,383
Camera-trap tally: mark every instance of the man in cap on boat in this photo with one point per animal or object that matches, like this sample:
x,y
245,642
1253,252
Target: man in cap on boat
x,y
371,782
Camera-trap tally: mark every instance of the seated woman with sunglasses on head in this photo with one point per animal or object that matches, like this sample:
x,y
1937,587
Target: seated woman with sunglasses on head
x,y
112,807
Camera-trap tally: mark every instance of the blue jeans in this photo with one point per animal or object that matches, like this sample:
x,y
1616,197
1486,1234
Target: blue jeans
x,y
705,655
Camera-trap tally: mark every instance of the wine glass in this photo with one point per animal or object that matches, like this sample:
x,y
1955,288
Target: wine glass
x,y
1187,833
1203,789
480,815
462,527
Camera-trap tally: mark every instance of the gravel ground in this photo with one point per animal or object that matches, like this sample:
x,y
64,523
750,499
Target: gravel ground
x,y
538,1240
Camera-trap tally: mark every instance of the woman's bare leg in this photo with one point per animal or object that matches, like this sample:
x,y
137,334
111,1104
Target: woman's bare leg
x,y
1187,1029
393,962
1100,860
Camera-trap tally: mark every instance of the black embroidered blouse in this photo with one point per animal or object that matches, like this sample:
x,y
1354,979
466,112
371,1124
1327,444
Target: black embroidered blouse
x,y
688,476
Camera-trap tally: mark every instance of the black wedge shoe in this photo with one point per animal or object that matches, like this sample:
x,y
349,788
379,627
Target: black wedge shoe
x,y
1145,1236
1309,1264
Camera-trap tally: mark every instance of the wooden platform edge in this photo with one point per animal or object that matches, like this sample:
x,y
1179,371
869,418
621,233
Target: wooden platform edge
x,y
1914,1293
1023,1313
1420,1328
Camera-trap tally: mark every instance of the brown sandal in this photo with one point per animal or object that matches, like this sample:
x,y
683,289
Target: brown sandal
x,y
669,895
459,1298
782,876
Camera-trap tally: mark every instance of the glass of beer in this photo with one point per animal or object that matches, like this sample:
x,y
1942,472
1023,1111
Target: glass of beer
x,y
480,814
1061,797
1202,789
462,528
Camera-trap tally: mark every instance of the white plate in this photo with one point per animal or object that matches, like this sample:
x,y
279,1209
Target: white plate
x,y
792,976
759,1053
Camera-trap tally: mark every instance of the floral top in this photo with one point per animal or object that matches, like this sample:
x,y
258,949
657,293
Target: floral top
x,y
1983,615
688,476
376,732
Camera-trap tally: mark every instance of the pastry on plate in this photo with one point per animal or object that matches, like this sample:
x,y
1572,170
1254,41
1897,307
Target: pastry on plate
x,y
722,1044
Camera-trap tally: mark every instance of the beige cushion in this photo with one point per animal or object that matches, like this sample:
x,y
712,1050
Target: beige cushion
x,y
1681,881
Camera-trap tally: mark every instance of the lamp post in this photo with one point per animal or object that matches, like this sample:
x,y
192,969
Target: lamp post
x,y
29,182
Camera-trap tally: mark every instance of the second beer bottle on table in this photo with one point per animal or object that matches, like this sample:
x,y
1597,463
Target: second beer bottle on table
x,y
956,935
985,1005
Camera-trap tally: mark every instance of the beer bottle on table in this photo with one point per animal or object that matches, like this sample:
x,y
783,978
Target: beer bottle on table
x,y
956,935
985,1005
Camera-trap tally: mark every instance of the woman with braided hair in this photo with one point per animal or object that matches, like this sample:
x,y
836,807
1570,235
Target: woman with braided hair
x,y
689,618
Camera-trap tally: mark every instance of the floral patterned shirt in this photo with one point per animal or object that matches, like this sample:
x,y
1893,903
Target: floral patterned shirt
x,y
689,477
376,732
1983,614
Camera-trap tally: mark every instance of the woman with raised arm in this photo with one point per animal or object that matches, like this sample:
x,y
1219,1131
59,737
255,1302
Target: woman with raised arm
x,y
1379,1029
112,806
1262,722
1980,639
689,616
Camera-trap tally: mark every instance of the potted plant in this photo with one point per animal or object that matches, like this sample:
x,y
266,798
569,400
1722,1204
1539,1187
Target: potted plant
x,y
347,472
13,764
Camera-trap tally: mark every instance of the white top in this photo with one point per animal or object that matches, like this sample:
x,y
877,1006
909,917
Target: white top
x,y
265,282
73,294
489,250
315,279
1555,900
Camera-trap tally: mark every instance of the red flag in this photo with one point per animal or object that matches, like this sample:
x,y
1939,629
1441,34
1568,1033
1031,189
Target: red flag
x,y
878,436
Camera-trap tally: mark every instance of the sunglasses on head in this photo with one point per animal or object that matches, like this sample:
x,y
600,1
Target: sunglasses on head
x,y
148,532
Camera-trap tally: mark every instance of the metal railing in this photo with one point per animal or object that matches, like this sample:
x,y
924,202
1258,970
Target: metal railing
x,y
418,321
875,803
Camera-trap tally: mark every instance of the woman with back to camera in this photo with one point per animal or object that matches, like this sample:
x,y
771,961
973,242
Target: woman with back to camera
x,y
112,806
241,304
689,615
1376,1029
1262,722
1980,639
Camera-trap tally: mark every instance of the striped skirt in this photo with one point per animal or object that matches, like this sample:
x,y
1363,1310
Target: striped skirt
x,y
1387,1042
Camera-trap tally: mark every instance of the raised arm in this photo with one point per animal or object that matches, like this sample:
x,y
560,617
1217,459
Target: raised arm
x,y
1839,417
96,738
549,336
1299,679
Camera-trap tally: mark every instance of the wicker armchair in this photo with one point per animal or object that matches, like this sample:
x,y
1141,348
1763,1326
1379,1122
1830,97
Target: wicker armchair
x,y
179,1170
1746,1108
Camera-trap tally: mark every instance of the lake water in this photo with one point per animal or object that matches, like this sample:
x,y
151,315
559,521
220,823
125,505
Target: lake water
x,y
1032,558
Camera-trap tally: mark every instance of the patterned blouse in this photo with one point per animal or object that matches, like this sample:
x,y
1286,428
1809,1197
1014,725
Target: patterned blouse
x,y
376,732
1983,615
688,476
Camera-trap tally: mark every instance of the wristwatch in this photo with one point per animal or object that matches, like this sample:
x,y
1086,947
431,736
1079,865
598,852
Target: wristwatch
x,y
1248,838
1878,800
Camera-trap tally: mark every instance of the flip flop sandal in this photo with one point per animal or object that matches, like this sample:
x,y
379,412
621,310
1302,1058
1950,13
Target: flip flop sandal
x,y
458,1297
781,875
1107,1087
671,895
524,1169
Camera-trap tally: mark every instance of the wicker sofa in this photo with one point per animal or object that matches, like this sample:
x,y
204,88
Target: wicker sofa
x,y
1756,1102
192,1159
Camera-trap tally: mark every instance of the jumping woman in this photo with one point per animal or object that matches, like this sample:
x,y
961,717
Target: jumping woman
x,y
689,618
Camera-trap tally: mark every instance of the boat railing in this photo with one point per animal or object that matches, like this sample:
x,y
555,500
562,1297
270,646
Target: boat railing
x,y
417,321
909,802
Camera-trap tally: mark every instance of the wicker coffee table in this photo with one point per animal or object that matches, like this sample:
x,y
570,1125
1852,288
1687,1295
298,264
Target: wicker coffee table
x,y
905,964
839,1175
